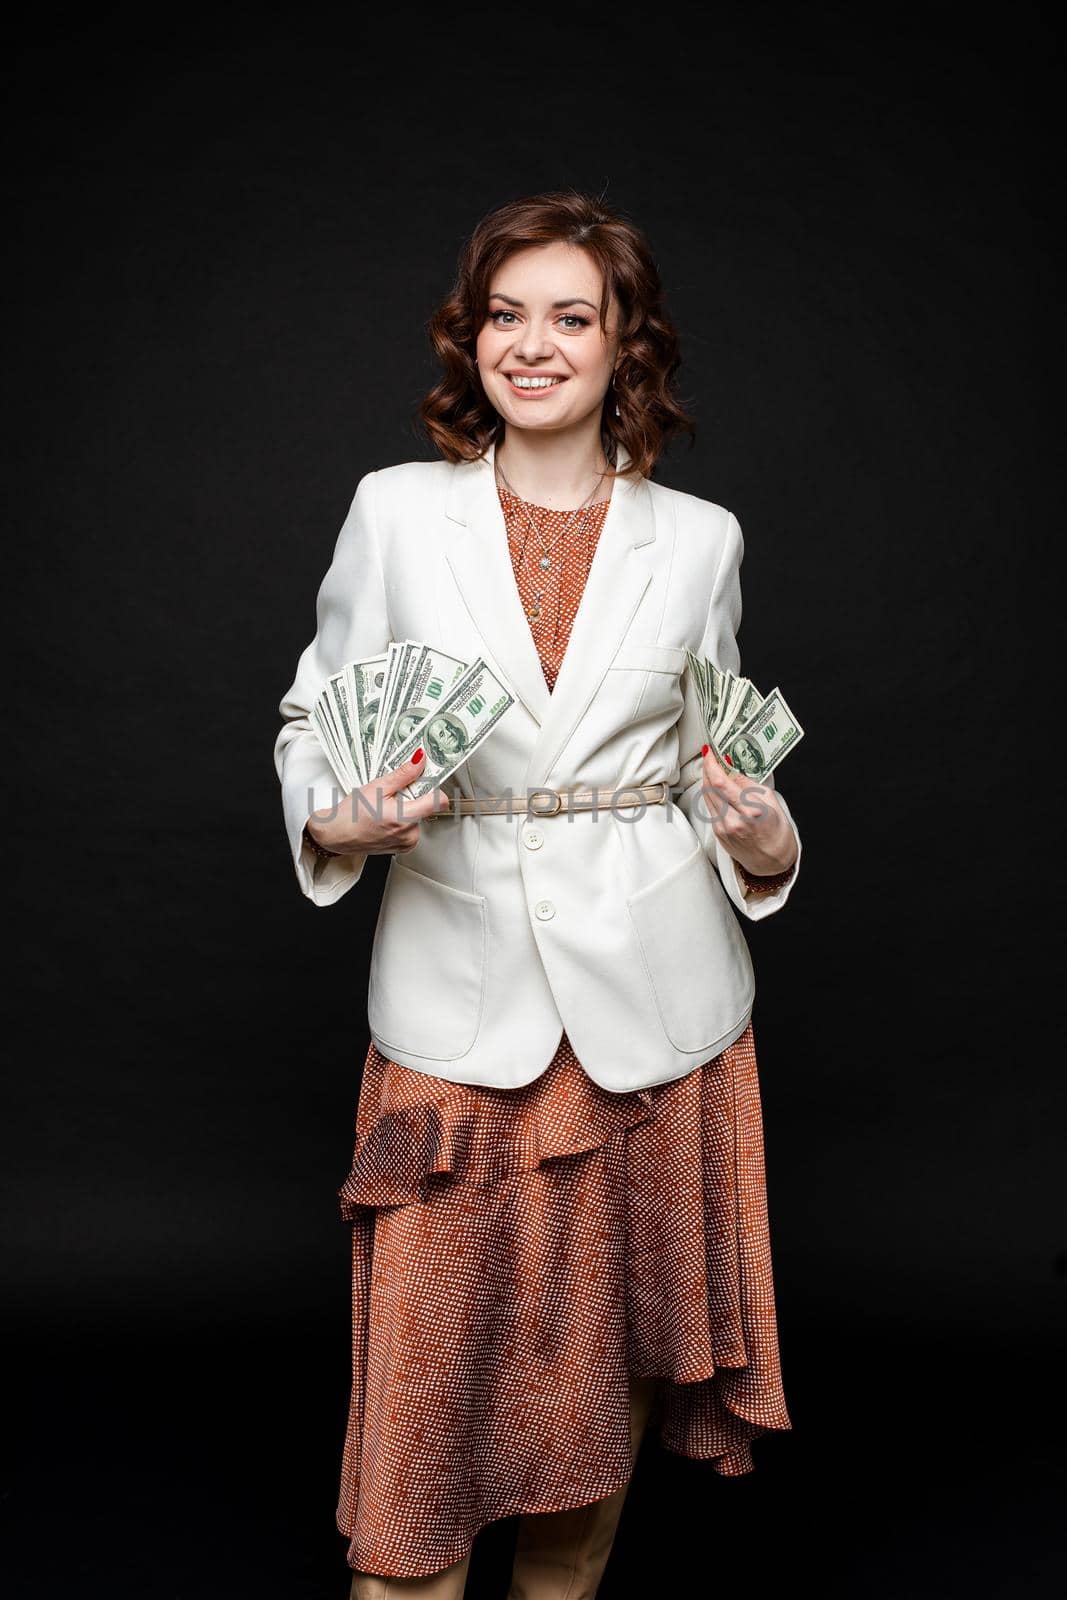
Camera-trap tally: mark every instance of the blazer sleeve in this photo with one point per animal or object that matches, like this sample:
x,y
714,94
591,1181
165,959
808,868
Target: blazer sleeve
x,y
719,644
352,622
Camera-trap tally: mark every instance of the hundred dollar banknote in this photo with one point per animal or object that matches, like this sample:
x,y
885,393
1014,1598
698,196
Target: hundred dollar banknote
x,y
375,709
454,730
421,681
364,682
748,731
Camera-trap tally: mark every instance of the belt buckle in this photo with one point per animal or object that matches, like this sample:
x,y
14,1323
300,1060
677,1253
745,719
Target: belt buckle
x,y
555,805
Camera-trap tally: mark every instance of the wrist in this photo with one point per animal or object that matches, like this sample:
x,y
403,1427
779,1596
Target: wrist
x,y
765,882
314,845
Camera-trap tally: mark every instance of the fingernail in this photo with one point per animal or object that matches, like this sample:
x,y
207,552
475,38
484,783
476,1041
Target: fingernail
x,y
729,763
418,754
705,750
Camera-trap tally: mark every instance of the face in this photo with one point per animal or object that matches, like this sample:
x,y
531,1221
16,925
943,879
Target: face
x,y
542,322
749,757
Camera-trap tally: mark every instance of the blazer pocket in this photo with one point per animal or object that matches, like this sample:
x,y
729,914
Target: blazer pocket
x,y
428,966
696,958
650,657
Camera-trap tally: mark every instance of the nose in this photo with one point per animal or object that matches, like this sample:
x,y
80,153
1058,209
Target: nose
x,y
532,344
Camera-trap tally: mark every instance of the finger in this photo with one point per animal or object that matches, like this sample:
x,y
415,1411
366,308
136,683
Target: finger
x,y
712,763
725,783
399,777
433,803
429,805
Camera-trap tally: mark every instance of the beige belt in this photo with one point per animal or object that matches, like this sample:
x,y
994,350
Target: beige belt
x,y
545,802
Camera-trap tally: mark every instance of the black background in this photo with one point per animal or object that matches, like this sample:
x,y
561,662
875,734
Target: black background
x,y
229,233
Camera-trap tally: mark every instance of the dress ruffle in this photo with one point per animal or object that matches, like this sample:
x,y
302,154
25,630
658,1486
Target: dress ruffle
x,y
415,1132
518,1252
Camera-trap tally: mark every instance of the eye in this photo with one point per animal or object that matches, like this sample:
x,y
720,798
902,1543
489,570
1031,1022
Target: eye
x,y
570,317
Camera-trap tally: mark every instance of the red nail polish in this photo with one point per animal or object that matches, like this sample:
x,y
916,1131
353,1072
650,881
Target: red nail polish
x,y
705,750
418,754
729,763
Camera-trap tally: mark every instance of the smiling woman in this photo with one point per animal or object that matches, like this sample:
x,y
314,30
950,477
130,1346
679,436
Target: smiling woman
x,y
565,295
556,1194
542,362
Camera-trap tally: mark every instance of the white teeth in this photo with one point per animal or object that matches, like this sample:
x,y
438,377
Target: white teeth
x,y
534,383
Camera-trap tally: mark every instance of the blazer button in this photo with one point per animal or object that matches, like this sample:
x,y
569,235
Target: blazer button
x,y
533,838
544,909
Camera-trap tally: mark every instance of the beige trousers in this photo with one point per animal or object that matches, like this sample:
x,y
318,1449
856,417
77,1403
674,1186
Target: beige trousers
x,y
559,1555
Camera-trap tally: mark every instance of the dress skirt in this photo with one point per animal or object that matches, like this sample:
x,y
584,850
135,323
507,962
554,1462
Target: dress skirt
x,y
516,1255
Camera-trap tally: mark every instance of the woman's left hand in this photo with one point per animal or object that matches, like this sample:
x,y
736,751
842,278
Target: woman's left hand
x,y
748,819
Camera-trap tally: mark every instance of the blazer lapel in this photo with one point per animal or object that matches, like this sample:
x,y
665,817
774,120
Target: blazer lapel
x,y
481,565
480,561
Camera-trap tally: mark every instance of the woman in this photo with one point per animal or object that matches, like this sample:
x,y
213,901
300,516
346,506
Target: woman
x,y
557,1195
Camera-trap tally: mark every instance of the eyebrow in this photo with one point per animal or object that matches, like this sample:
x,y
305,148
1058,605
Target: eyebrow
x,y
557,305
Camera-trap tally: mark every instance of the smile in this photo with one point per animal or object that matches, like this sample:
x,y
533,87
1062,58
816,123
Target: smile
x,y
533,383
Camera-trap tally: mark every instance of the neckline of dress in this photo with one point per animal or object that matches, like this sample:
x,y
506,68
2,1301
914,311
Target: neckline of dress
x,y
551,510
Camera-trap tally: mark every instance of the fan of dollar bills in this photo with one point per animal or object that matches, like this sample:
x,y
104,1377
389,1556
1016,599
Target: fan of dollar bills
x,y
747,731
373,714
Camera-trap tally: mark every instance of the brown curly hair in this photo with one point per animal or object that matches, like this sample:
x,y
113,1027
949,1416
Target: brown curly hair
x,y
457,414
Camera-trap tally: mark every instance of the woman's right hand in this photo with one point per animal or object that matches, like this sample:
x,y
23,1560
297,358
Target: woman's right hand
x,y
383,821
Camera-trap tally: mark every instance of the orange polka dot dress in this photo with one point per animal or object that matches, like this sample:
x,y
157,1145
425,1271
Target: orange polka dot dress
x,y
517,1253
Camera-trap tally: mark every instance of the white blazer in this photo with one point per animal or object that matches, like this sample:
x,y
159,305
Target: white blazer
x,y
496,933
